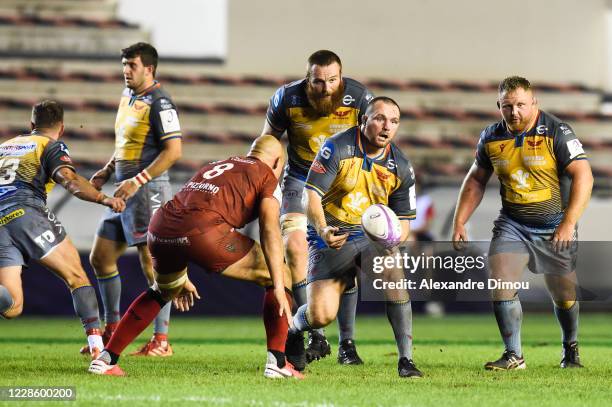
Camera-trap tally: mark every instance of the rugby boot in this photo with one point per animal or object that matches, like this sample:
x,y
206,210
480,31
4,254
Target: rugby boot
x,y
569,356
157,346
294,350
273,371
508,361
347,353
406,368
318,346
100,367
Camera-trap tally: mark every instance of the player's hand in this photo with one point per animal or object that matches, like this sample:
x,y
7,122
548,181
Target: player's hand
x,y
186,298
116,204
100,178
564,236
460,238
333,240
283,304
126,189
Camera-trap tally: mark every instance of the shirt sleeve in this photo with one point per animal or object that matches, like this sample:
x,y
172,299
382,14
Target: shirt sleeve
x,y
363,103
403,200
566,146
164,120
277,112
482,158
54,157
324,168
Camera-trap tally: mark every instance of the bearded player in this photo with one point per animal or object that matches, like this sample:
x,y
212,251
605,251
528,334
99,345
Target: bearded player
x,y
198,225
311,110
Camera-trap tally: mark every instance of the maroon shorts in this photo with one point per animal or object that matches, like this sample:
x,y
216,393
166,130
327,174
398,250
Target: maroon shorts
x,y
214,250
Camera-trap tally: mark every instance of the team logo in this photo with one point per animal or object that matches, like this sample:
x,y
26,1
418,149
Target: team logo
x,y
521,178
534,144
340,113
347,100
317,167
356,201
382,176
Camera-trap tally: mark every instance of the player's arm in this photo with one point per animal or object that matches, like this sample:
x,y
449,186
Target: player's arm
x,y
277,120
405,230
82,189
580,194
102,176
470,196
272,247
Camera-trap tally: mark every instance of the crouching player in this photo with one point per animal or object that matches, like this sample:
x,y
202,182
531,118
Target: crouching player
x,y
198,225
30,165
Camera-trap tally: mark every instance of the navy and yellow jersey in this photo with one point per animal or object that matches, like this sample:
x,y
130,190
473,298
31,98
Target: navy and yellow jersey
x,y
27,166
531,168
349,182
144,122
307,131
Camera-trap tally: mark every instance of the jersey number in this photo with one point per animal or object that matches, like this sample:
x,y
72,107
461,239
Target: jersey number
x,y
8,170
217,170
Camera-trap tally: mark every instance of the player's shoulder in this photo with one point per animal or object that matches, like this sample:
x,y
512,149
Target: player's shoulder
x,y
548,123
495,131
291,94
354,87
400,161
161,97
342,144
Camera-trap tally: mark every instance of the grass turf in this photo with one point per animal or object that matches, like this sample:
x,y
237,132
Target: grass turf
x,y
220,362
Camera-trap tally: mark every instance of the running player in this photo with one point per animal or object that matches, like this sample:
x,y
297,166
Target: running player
x,y
311,110
30,165
546,184
198,225
353,170
147,143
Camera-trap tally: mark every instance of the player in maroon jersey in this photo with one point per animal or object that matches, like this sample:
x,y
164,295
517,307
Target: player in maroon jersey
x,y
198,225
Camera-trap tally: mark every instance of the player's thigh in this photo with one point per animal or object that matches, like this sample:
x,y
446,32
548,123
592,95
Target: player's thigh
x,y
10,278
324,300
105,253
562,287
64,261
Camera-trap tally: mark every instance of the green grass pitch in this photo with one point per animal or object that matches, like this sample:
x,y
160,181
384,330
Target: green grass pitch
x,y
219,362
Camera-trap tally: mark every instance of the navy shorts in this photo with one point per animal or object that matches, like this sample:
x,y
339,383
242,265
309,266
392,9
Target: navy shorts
x,y
292,190
509,236
28,232
131,225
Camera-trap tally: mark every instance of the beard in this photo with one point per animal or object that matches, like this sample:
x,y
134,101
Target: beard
x,y
324,105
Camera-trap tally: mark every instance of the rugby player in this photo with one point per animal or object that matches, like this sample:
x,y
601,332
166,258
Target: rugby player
x,y
147,143
353,170
311,110
30,165
198,225
546,184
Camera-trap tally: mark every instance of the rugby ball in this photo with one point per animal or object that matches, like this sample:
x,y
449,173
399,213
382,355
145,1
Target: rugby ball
x,y
382,225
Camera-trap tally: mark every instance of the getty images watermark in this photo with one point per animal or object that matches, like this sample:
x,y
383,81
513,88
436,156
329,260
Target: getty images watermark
x,y
436,271
459,264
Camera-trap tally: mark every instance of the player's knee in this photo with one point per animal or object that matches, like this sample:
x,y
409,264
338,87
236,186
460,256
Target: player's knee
x,y
293,223
170,285
565,304
76,278
15,310
100,264
320,316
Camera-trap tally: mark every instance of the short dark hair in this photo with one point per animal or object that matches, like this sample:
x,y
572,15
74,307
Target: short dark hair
x,y
47,114
146,52
324,57
512,83
384,99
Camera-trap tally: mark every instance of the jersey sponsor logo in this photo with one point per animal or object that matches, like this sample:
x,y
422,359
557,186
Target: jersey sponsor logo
x,y
17,150
541,129
296,100
337,128
382,176
327,151
318,167
566,130
379,191
391,165
175,241
502,146
202,187
369,97
521,179
339,113
170,121
347,100
139,106
302,126
165,104
64,148
356,201
65,158
534,160
575,148
411,172
534,144
276,98
11,216
242,160
412,197
7,190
